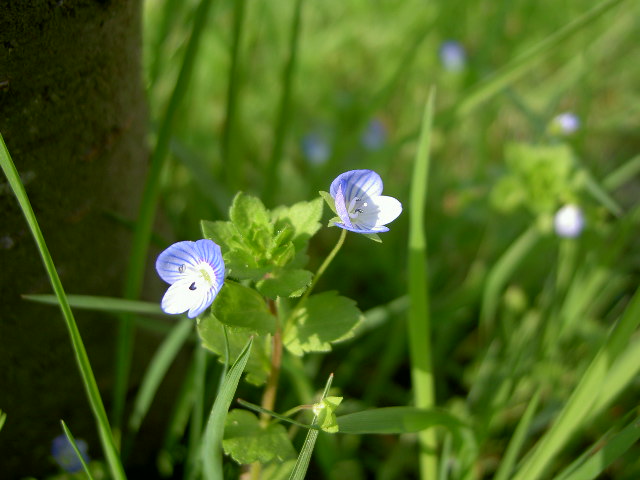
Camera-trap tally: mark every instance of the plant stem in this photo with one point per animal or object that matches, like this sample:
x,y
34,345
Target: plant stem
x,y
269,395
323,267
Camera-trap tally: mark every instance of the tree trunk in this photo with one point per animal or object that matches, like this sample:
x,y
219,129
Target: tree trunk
x,y
73,116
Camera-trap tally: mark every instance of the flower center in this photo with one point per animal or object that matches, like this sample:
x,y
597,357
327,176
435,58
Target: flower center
x,y
356,207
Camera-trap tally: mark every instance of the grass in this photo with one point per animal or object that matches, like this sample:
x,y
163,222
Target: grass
x,y
528,339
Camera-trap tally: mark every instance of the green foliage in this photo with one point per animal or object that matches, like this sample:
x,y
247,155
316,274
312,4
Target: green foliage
x,y
325,414
325,318
248,441
540,178
243,307
212,334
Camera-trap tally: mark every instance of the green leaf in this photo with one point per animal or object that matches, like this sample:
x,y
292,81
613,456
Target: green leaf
x,y
285,283
325,414
240,306
326,196
304,217
210,452
212,334
247,212
243,265
323,319
247,441
224,234
394,420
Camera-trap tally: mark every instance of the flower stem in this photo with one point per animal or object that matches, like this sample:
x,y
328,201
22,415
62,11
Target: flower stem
x,y
269,395
323,267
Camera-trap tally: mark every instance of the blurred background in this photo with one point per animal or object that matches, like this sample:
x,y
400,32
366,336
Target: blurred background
x,y
537,107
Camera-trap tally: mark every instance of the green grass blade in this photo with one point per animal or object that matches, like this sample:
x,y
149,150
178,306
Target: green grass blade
x,y
212,441
193,463
72,441
304,457
101,304
233,164
396,420
147,213
3,418
508,462
522,64
622,174
156,371
272,178
419,322
582,399
603,453
88,379
500,274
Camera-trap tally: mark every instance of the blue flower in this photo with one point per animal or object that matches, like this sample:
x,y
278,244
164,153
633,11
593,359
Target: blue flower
x,y
65,456
453,56
567,123
569,221
195,271
374,136
359,204
316,148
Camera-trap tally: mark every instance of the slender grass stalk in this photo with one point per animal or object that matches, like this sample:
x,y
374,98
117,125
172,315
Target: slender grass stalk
x,y
522,64
233,163
419,326
72,441
147,213
160,363
82,360
272,181
517,440
500,273
211,452
577,408
302,463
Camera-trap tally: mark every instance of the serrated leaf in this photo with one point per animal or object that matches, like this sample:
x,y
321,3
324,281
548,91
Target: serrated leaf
x,y
248,211
224,234
283,254
247,441
324,319
211,333
285,283
329,200
392,420
304,217
325,414
242,265
240,306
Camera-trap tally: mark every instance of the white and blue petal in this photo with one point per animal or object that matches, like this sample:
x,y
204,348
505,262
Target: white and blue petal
x,y
359,203
357,184
172,264
195,271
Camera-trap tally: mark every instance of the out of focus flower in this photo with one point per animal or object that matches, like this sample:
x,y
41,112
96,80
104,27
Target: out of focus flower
x,y
195,271
359,203
453,56
65,456
374,136
569,221
316,148
566,123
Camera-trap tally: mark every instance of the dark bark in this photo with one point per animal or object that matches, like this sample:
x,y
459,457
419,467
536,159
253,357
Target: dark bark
x,y
72,114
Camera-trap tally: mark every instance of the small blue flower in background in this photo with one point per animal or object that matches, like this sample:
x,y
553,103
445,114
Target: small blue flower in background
x,y
64,455
453,56
195,271
359,204
374,136
569,221
567,123
316,148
